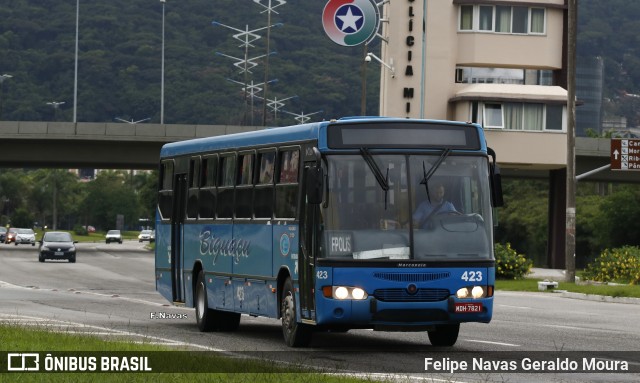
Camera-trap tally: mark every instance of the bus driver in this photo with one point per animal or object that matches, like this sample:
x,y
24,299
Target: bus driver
x,y
437,205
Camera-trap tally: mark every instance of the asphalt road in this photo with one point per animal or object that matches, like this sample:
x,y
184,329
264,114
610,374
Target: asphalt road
x,y
110,292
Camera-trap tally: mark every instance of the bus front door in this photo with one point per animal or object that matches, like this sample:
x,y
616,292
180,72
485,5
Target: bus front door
x,y
179,205
307,262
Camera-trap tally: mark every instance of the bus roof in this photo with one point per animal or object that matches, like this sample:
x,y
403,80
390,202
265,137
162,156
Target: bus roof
x,y
289,134
295,133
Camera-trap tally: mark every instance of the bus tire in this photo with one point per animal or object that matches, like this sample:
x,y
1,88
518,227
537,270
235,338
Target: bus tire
x,y
295,334
210,319
205,317
444,335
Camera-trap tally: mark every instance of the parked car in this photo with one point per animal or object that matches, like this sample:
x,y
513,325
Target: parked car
x,y
3,234
113,236
25,236
145,235
11,235
57,245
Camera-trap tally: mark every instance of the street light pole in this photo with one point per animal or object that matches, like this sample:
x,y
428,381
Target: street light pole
x,y
75,76
2,78
363,95
162,69
570,223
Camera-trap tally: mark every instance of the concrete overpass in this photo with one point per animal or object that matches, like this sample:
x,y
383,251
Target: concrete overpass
x,y
137,146
94,145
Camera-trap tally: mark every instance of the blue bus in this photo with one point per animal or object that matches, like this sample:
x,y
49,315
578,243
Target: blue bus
x,y
317,225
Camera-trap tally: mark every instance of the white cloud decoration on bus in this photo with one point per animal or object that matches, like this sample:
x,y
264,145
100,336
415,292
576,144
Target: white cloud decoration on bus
x,y
211,245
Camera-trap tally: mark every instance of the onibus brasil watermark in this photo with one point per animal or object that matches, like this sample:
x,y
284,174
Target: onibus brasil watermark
x,y
31,362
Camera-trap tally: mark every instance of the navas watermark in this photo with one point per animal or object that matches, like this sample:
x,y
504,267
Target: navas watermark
x,y
524,364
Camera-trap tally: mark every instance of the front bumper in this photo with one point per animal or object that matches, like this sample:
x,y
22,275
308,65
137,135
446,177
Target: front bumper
x,y
51,254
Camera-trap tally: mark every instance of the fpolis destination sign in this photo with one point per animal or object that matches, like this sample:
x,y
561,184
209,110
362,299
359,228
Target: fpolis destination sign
x,y
625,154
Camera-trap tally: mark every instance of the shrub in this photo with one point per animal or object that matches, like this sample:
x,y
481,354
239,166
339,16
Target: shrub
x,y
510,264
616,265
80,230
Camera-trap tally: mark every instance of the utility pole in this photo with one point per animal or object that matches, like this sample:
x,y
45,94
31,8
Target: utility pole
x,y
570,241
363,95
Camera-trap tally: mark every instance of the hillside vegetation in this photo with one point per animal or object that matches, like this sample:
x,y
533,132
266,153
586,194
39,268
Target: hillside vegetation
x,y
120,45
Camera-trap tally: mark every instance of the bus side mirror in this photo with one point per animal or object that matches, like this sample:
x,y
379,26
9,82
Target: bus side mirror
x,y
315,180
496,187
495,180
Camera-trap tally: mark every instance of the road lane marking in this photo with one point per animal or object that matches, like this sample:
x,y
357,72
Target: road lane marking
x,y
48,324
517,307
489,342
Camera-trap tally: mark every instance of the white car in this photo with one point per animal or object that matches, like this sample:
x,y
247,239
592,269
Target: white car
x,y
25,236
113,236
146,235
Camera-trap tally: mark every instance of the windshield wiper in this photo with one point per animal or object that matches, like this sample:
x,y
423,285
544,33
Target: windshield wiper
x,y
425,181
383,181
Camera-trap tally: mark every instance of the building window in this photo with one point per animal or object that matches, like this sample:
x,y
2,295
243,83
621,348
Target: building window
x,y
537,20
486,18
520,20
502,19
466,18
481,75
554,117
492,115
519,116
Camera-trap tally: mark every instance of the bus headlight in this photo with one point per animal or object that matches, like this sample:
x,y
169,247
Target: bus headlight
x,y
341,292
344,292
358,294
475,292
462,293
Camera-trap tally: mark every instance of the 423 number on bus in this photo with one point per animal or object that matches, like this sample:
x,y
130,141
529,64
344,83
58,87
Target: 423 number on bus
x,y
472,276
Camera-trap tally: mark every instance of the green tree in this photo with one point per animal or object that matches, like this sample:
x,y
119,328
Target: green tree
x,y
620,214
13,185
522,222
53,191
110,195
147,187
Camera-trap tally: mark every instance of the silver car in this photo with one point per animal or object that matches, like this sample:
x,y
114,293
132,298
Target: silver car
x,y
25,236
145,235
113,236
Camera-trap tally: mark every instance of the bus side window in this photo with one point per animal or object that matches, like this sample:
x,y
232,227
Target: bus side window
x,y
289,161
165,194
194,175
207,198
244,189
263,194
227,167
287,187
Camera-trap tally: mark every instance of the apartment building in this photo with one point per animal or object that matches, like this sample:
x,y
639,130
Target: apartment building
x,y
501,63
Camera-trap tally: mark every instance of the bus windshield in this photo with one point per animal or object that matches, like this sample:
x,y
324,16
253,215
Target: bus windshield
x,y
427,207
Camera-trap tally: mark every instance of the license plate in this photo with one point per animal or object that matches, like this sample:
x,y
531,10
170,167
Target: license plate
x,y
58,253
463,308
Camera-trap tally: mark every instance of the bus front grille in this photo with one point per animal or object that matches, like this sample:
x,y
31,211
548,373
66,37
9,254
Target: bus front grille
x,y
402,295
412,277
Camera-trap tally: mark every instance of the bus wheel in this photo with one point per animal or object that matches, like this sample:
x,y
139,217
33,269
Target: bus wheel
x,y
204,315
295,334
444,335
210,319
